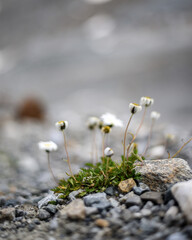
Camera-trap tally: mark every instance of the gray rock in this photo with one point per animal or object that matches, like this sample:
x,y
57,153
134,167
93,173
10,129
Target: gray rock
x,y
160,174
182,192
43,214
177,236
50,197
148,205
114,203
94,198
150,226
155,197
53,224
72,195
51,208
90,210
141,189
111,191
132,200
146,212
105,204
134,209
127,215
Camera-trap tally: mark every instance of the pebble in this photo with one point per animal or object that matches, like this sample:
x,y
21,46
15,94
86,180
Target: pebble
x,y
50,197
177,236
114,203
111,191
182,192
146,212
43,214
126,185
155,197
172,212
134,209
97,200
133,200
102,223
141,189
72,195
90,210
7,214
51,208
74,210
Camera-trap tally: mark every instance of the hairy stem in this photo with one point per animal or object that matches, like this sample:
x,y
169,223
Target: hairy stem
x,y
68,160
124,141
49,166
103,145
181,148
137,132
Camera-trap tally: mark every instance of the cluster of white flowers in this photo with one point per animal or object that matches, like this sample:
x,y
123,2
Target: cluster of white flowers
x,y
111,120
93,122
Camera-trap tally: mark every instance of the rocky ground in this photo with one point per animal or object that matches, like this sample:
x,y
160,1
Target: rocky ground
x,y
140,213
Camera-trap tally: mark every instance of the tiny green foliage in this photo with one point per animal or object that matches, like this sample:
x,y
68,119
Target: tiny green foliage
x,y
96,178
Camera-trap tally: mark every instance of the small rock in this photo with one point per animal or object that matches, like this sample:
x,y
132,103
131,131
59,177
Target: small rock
x,y
111,191
146,212
51,208
90,210
43,214
148,205
172,212
94,198
102,223
7,214
141,189
126,185
155,197
137,215
133,200
160,174
31,227
53,224
75,209
134,209
182,192
127,215
73,194
177,236
50,197
113,202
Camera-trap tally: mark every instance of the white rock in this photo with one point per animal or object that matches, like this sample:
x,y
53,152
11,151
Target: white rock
x,y
172,212
50,197
182,192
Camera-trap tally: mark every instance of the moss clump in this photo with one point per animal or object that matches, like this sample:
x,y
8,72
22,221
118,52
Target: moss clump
x,y
96,178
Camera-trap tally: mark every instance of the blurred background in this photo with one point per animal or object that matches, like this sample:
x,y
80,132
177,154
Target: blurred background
x,y
69,59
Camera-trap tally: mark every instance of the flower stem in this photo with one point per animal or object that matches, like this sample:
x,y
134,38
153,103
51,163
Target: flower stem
x,y
103,145
94,148
149,137
138,129
68,160
124,142
181,148
49,166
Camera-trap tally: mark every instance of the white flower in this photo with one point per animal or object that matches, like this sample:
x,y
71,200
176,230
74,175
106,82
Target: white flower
x,y
155,115
108,152
111,120
61,125
47,146
146,101
93,122
134,107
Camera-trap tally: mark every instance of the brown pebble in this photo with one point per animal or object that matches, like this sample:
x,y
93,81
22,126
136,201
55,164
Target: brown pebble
x,y
126,185
102,223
